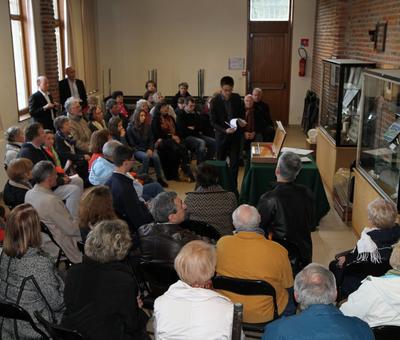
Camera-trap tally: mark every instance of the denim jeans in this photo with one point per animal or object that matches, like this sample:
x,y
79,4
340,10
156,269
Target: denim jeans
x,y
151,190
203,146
146,161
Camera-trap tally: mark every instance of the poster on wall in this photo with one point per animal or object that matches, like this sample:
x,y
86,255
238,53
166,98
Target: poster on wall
x,y
236,63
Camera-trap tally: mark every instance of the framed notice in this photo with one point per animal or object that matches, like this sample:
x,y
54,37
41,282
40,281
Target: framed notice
x,y
236,63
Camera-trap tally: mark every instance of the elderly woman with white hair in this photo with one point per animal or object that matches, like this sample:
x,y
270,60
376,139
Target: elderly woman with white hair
x,y
374,246
377,300
15,138
315,291
190,309
101,294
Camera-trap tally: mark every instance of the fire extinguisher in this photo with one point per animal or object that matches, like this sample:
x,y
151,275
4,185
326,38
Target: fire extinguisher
x,y
302,62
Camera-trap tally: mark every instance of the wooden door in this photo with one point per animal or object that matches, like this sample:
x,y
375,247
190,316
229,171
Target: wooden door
x,y
269,60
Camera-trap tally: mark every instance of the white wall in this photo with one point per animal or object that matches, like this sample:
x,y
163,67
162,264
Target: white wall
x,y
303,27
178,37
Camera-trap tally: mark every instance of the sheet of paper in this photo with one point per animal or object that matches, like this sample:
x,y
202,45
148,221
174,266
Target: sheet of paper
x,y
305,160
302,152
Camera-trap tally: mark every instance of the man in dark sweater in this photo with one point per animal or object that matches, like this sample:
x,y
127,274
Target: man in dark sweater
x,y
189,129
288,211
264,123
223,108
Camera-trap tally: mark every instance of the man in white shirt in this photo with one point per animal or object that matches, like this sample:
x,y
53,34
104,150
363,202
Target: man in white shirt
x,y
72,87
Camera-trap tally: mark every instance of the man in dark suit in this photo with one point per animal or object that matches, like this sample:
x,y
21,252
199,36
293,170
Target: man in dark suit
x,y
223,108
267,125
72,87
125,199
41,105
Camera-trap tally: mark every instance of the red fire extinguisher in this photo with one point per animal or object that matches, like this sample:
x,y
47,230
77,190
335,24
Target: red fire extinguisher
x,y
302,62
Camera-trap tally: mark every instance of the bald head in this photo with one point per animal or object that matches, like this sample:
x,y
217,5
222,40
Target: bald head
x,y
43,83
246,217
70,72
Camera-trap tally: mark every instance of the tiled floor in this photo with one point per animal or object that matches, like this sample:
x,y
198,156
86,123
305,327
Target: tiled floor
x,y
332,236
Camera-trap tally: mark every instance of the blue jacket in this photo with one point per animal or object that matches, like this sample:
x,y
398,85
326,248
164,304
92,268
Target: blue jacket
x,y
318,322
101,171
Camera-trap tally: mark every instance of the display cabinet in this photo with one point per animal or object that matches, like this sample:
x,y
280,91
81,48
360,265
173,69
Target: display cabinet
x,y
378,154
341,99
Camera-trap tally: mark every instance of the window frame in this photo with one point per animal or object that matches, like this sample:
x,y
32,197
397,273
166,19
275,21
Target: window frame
x,y
60,24
22,18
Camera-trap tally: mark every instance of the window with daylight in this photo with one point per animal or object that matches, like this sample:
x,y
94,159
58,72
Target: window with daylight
x,y
269,10
59,26
20,48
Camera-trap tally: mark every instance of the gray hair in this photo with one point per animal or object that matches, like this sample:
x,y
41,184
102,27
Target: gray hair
x,y
109,148
60,121
163,205
42,170
71,100
110,103
139,107
395,257
246,217
257,89
289,165
315,285
12,133
39,79
382,213
109,240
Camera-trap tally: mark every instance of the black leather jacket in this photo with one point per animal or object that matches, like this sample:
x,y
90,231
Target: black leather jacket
x,y
288,211
161,242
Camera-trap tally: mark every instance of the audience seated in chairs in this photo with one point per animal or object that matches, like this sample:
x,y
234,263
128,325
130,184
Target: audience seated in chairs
x,y
315,291
374,246
112,110
101,294
27,275
69,188
209,202
117,131
189,129
79,127
190,309
96,206
377,300
161,240
66,148
170,148
288,211
96,119
127,204
158,99
180,106
140,138
143,105
19,174
15,138
249,255
53,213
182,93
97,141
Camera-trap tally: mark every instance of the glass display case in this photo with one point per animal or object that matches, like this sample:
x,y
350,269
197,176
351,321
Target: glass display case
x,y
378,154
341,99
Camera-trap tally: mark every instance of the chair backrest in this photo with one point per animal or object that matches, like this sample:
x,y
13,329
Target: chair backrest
x,y
246,287
159,276
294,255
46,230
386,332
202,229
237,321
363,269
10,310
57,332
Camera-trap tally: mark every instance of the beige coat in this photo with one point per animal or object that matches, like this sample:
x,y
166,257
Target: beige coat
x,y
80,133
54,214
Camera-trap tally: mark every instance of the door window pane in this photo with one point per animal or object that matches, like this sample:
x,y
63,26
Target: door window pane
x,y
55,7
269,10
59,53
19,61
14,7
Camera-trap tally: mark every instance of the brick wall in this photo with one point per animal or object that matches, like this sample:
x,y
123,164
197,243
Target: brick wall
x,y
49,46
341,30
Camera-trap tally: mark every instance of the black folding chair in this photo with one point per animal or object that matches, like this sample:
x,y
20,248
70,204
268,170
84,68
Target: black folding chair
x,y
248,287
57,332
386,332
158,276
237,321
10,310
202,229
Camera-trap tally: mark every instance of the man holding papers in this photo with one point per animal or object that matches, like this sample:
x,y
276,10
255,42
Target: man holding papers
x,y
225,107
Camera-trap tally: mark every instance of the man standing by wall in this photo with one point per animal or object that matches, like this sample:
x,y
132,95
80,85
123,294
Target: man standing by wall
x,y
224,107
72,87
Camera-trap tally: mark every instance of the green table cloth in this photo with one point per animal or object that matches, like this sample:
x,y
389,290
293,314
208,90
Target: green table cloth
x,y
260,178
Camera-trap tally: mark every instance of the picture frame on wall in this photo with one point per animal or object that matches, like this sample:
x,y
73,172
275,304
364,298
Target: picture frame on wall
x,y
380,37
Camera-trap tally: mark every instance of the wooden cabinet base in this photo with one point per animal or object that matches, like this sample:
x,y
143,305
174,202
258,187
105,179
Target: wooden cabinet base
x,y
330,158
